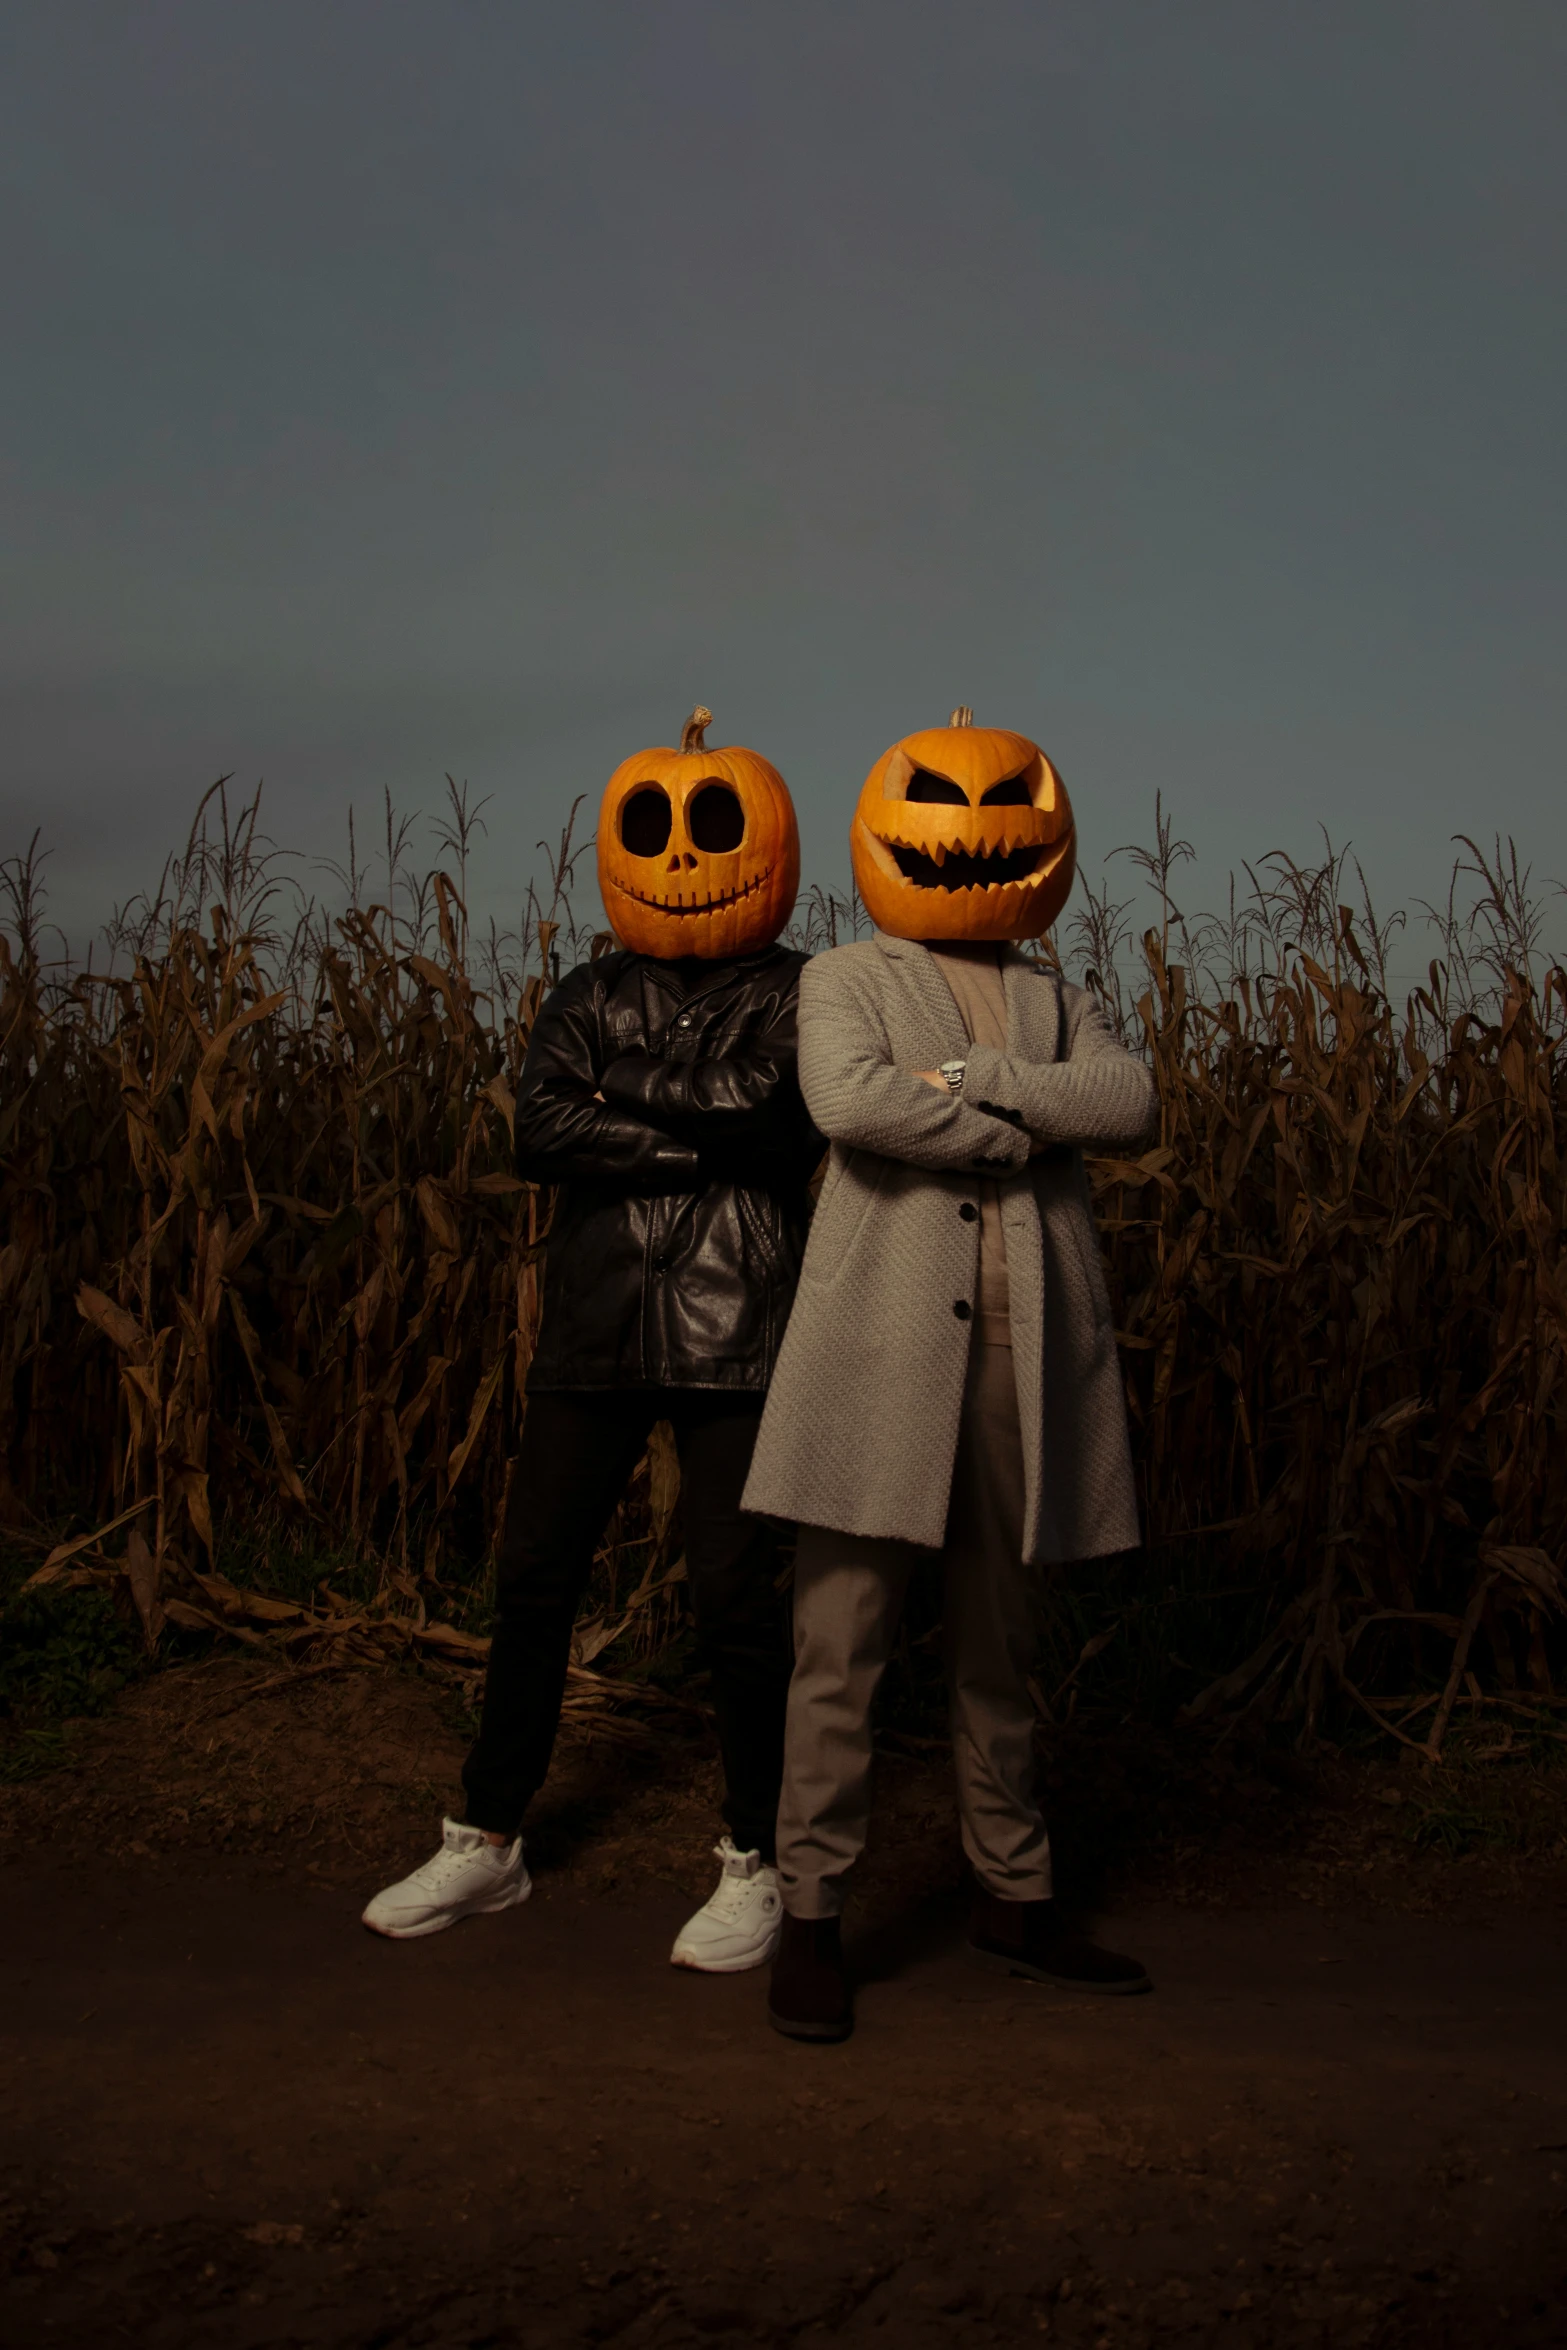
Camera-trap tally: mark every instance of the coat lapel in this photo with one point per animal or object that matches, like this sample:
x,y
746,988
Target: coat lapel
x,y
1033,1009
936,1000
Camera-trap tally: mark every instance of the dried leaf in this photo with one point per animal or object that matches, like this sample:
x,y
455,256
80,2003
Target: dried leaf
x,y
115,1323
54,1565
1535,1569
144,1574
481,1404
436,1209
663,1479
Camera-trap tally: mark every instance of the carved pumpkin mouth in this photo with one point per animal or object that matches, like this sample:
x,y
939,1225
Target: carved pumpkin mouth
x,y
969,868
711,903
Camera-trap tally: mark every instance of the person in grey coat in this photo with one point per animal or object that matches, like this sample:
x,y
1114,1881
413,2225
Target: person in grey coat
x,y
948,1382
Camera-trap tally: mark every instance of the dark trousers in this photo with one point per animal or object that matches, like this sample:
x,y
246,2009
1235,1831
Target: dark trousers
x,y
578,1449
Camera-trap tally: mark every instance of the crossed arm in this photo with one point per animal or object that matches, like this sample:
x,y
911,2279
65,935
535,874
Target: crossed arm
x,y
734,1106
565,1129
1094,1097
652,1124
858,1097
1010,1109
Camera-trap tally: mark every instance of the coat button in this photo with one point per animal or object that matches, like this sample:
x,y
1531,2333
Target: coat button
x,y
963,1309
968,1211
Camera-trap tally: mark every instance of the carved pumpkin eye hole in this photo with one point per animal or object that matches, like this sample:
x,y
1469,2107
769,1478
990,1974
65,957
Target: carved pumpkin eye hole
x,y
1013,793
936,790
715,819
645,821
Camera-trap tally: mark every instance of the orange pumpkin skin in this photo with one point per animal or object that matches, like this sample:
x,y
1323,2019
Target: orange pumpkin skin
x,y
921,864
698,850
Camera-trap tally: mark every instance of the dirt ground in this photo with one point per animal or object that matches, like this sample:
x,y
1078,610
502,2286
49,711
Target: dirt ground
x,y
230,2117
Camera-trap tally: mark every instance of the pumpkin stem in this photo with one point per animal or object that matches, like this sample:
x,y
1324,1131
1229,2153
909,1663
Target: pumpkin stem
x,y
691,732
961,716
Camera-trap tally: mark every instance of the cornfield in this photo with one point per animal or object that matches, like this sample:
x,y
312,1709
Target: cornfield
x,y
265,1257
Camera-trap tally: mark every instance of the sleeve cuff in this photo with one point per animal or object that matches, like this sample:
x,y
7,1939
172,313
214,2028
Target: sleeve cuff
x,y
985,1076
990,1086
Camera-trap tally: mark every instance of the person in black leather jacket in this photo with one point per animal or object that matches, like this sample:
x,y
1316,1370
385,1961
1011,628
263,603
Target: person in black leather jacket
x,y
660,1098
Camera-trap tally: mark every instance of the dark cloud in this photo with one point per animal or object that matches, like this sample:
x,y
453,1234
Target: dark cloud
x,y
393,389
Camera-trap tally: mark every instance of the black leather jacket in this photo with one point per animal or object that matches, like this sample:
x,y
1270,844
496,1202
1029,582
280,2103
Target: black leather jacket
x,y
681,1215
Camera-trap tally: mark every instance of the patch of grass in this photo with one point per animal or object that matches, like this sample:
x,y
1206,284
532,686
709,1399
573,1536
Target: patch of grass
x,y
1483,1801
63,1655
1451,1828
260,1554
33,1753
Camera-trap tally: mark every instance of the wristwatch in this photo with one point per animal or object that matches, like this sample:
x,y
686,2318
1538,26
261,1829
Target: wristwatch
x,y
953,1072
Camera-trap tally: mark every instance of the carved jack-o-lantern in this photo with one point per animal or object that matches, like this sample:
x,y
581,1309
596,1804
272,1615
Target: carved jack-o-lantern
x,y
698,850
964,832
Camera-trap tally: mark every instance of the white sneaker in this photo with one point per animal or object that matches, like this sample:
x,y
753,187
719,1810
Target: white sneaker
x,y
740,1926
468,1878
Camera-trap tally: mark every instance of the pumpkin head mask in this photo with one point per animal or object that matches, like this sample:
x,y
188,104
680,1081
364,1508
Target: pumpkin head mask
x,y
698,850
963,832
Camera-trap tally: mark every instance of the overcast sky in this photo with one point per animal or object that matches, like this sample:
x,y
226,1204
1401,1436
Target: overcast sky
x,y
396,388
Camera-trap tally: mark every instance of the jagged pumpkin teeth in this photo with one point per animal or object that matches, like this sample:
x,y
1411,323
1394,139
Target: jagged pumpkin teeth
x,y
933,860
698,850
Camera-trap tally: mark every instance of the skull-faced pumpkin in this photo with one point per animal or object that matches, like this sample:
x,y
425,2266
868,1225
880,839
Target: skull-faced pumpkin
x,y
963,832
698,850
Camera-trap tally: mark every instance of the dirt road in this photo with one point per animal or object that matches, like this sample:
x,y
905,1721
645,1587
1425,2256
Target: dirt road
x,y
230,2117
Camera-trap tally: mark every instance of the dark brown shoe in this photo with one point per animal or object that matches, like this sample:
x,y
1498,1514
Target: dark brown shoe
x,y
809,1997
1028,1938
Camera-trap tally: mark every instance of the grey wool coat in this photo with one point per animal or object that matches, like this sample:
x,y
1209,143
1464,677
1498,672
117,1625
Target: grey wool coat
x,y
860,1428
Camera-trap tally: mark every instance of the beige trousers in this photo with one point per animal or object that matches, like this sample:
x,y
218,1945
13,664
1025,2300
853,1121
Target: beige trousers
x,y
848,1597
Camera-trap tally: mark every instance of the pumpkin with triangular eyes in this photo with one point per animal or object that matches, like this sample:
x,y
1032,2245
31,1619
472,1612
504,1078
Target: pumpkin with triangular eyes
x,y
963,832
698,850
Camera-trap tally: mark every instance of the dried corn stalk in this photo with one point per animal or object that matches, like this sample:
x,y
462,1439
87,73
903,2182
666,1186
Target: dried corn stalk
x,y
262,1250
